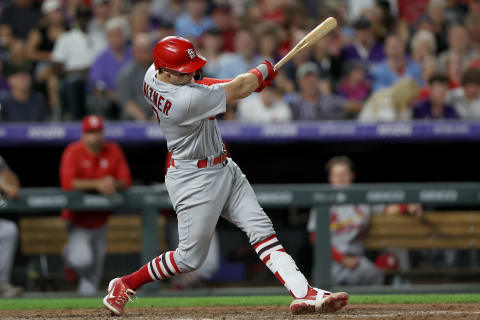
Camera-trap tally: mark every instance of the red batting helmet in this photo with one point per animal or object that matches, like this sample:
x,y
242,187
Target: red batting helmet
x,y
178,54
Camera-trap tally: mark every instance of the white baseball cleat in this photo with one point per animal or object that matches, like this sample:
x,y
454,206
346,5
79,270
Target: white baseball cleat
x,y
312,303
118,296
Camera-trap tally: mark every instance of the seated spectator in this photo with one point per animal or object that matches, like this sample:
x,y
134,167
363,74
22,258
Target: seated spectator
x,y
454,70
466,99
9,185
472,23
460,47
457,10
392,103
22,103
435,107
139,18
226,23
100,13
364,47
411,11
267,106
244,58
395,66
211,49
130,79
326,57
473,6
162,30
316,100
39,49
354,85
268,47
72,56
437,24
16,21
402,30
194,21
429,68
167,11
423,45
95,165
105,68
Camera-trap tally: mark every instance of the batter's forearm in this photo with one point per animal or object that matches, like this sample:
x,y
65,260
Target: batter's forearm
x,y
241,86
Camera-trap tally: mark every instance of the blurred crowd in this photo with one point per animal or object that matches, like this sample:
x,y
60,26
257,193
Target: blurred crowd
x,y
388,60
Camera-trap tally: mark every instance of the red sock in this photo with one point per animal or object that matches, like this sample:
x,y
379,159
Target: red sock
x,y
138,278
161,267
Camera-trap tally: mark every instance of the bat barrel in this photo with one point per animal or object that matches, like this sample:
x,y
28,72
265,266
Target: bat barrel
x,y
316,34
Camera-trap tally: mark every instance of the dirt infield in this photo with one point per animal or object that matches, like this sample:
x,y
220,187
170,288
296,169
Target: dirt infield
x,y
356,311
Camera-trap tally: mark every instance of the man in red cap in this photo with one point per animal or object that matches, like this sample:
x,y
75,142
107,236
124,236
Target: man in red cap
x,y
204,183
94,165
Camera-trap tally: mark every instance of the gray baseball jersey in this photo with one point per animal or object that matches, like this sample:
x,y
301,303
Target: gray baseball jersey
x,y
348,228
186,115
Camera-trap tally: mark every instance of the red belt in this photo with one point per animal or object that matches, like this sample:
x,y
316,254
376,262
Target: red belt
x,y
204,163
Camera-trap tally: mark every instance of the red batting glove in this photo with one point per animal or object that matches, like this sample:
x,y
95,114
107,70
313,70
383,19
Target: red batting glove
x,y
265,73
264,84
272,73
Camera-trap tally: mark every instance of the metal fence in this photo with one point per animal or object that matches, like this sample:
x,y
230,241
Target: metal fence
x,y
149,199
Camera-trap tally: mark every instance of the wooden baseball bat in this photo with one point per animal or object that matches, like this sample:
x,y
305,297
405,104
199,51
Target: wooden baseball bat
x,y
313,36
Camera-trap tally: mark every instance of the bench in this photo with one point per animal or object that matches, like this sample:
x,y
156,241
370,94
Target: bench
x,y
459,230
46,236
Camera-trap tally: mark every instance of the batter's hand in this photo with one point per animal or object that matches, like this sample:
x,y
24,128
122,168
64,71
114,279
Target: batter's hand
x,y
272,73
265,73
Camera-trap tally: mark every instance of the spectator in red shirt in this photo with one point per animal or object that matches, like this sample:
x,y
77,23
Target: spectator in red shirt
x,y
93,165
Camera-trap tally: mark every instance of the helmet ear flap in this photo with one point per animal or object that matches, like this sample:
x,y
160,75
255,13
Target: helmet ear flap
x,y
198,75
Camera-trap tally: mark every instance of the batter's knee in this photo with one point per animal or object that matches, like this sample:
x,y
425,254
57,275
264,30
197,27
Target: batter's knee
x,y
188,262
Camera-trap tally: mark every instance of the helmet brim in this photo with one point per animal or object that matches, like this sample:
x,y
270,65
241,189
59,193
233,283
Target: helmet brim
x,y
197,63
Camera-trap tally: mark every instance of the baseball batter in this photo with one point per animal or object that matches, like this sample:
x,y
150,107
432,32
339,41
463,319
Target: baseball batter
x,y
203,183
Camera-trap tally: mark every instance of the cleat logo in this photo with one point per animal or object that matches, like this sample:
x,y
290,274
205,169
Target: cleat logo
x,y
110,295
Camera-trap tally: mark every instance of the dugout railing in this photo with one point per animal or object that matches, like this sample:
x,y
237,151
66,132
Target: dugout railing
x,y
149,199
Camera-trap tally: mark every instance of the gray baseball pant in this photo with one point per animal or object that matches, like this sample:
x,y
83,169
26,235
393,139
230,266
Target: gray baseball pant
x,y
200,197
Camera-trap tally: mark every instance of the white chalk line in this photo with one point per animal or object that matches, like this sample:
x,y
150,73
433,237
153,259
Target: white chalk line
x,y
398,313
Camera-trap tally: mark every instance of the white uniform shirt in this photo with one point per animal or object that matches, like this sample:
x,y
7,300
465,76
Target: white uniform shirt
x,y
466,109
186,114
74,50
252,109
348,227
